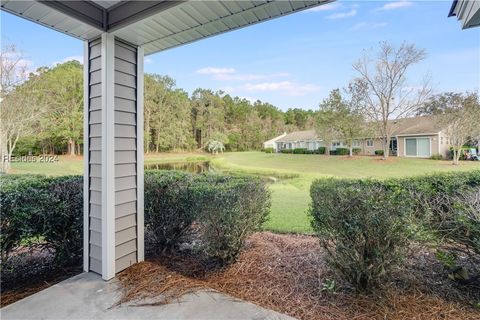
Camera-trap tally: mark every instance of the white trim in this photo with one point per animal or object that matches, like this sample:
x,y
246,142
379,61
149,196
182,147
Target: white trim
x,y
417,134
140,160
86,147
108,157
438,144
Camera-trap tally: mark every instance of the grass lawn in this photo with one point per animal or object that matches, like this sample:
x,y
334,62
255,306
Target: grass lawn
x,y
295,173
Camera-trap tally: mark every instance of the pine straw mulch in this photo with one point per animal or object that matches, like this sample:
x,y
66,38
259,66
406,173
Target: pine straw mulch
x,y
286,273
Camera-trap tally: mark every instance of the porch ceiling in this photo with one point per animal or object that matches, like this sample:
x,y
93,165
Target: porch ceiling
x,y
158,25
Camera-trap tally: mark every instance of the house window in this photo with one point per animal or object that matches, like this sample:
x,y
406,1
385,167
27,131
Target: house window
x,y
356,143
417,147
370,143
441,140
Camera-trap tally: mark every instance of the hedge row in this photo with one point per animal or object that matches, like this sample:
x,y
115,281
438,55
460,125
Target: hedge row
x,y
225,209
366,225
48,212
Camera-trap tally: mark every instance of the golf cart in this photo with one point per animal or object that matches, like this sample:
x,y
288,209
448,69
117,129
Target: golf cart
x,y
472,154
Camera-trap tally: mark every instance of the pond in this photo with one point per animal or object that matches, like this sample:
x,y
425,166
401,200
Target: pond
x,y
191,166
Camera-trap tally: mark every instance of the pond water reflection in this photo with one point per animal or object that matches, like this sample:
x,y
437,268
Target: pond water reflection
x,y
191,166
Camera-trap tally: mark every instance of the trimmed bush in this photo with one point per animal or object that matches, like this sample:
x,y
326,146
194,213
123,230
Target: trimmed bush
x,y
287,151
321,150
379,152
356,151
363,225
342,151
42,209
456,219
269,150
299,150
229,209
436,157
169,209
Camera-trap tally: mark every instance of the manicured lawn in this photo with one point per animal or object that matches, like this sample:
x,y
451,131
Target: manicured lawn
x,y
290,197
293,173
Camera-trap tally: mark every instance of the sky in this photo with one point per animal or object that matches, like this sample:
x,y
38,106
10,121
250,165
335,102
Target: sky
x,y
293,61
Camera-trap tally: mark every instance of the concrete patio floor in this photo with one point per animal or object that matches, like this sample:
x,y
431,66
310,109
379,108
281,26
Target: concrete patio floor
x,y
87,296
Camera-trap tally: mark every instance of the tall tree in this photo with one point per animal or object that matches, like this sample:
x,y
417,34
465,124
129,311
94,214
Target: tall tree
x,y
61,88
339,120
460,115
382,89
18,109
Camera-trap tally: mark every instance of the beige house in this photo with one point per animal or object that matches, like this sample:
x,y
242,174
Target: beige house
x,y
299,139
419,137
271,143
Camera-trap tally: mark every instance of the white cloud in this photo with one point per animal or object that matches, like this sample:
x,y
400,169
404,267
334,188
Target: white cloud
x,y
75,58
286,87
148,60
215,71
325,7
368,26
230,74
395,5
248,76
342,15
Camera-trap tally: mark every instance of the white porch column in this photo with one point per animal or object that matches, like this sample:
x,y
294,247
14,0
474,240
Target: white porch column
x,y
113,144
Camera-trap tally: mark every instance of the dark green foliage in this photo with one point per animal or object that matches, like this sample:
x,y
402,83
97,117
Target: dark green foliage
x,y
299,150
342,151
169,209
436,157
357,221
456,219
229,209
37,207
379,152
321,150
287,151
363,225
356,151
269,150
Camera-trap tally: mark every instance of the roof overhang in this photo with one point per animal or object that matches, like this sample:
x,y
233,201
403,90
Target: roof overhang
x,y
468,12
157,25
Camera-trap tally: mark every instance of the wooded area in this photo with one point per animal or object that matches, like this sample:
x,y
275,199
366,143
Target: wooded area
x,y
174,120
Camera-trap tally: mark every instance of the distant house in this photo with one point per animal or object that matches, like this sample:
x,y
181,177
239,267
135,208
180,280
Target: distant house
x,y
299,139
419,137
271,143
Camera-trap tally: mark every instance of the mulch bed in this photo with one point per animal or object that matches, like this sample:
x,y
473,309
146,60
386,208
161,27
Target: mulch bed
x,y
31,270
286,273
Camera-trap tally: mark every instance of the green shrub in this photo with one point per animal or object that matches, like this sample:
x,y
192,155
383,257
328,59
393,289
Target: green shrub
x,y
456,219
363,225
287,151
333,152
379,152
321,150
229,209
169,209
356,151
299,150
436,157
269,150
36,207
342,151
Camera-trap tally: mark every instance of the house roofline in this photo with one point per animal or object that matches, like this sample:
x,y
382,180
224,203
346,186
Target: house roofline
x,y
451,13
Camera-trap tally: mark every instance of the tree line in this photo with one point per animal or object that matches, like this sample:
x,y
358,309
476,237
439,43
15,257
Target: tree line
x,y
42,112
